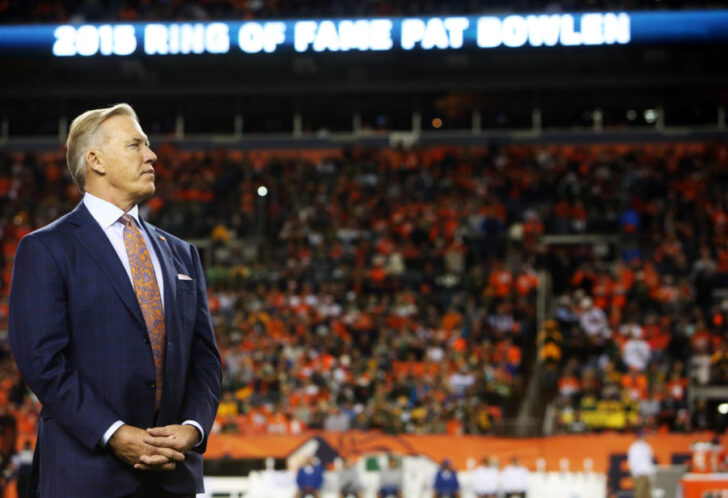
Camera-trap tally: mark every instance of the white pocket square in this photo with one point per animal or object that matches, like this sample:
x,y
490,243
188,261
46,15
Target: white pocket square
x,y
182,276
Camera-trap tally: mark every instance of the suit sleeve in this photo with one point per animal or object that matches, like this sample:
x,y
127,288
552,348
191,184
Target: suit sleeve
x,y
39,329
204,377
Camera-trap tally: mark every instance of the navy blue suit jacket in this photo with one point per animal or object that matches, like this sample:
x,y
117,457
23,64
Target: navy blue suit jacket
x,y
80,342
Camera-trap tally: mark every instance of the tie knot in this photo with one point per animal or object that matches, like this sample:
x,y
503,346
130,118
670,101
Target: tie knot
x,y
127,220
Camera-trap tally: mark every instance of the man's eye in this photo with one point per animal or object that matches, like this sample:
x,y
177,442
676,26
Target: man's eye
x,y
134,145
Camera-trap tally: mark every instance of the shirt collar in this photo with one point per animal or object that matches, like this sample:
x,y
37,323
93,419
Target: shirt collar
x,y
105,213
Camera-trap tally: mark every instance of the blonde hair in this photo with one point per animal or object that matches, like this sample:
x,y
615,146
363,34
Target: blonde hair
x,y
81,135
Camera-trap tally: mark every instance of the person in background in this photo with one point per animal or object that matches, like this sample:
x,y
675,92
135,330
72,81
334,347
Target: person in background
x,y
446,481
349,483
310,479
390,484
22,463
641,465
515,479
8,438
485,480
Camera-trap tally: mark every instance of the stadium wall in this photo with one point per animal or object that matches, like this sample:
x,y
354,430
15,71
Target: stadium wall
x,y
599,448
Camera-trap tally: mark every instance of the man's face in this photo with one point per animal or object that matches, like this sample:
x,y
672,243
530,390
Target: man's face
x,y
127,159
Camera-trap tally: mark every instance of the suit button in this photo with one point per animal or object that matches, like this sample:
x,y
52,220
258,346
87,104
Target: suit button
x,y
146,339
151,384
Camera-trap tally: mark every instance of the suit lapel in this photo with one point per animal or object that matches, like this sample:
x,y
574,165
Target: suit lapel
x,y
93,238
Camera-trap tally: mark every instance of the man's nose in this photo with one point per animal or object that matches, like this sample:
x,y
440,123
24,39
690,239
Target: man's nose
x,y
150,156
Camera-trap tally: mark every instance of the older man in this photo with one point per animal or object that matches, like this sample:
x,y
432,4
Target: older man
x,y
110,328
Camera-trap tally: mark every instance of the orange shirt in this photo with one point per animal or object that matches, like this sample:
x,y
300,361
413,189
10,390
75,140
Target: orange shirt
x,y
513,355
569,385
635,384
451,320
602,291
526,282
501,282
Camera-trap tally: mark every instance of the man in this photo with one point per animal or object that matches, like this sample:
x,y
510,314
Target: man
x,y
446,481
22,463
515,479
485,480
349,482
310,479
110,328
641,465
391,479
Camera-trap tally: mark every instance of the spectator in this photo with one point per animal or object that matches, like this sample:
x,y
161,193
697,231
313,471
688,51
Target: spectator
x,y
515,479
594,322
565,314
550,342
446,481
349,482
719,364
486,478
310,479
641,465
636,351
390,483
577,425
22,463
336,420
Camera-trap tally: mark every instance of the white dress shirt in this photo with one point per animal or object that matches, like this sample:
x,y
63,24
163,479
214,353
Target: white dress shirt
x,y
107,216
515,479
485,480
640,459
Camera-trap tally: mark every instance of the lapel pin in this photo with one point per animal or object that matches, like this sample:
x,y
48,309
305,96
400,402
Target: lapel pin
x,y
161,237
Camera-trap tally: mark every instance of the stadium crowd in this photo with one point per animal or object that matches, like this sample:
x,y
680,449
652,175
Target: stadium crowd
x,y
78,11
395,289
628,336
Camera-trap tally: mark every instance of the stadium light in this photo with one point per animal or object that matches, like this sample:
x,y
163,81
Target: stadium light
x,y
723,408
262,191
650,115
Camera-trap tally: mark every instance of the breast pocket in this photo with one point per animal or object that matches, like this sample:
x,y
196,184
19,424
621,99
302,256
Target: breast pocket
x,y
187,299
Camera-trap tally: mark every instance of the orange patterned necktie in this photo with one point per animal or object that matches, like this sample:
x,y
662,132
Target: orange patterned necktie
x,y
147,292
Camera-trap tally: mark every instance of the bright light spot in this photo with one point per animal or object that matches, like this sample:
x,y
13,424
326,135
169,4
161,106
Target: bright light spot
x,y
262,191
631,114
723,408
650,115
437,123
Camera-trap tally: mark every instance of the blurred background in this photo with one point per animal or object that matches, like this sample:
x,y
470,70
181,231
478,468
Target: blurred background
x,y
473,230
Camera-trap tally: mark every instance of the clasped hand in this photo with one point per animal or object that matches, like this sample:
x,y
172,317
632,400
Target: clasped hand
x,y
157,448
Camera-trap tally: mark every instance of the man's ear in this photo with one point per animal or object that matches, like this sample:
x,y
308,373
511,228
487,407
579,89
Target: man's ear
x,y
95,161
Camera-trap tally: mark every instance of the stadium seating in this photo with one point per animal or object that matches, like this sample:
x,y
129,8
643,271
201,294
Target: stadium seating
x,y
395,290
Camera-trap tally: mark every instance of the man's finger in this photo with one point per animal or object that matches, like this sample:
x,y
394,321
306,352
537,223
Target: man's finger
x,y
168,453
159,442
165,442
160,431
153,460
156,468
